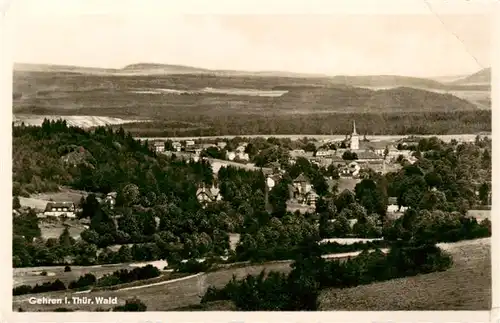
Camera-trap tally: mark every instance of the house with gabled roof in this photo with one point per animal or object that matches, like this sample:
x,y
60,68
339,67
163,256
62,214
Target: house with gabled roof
x,y
208,195
302,191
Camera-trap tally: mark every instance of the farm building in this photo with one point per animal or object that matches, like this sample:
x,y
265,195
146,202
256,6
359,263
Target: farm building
x,y
60,209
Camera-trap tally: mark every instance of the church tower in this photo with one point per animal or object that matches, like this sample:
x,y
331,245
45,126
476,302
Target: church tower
x,y
354,137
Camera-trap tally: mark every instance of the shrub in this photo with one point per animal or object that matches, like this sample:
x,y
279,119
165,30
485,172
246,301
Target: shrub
x,y
67,269
124,276
193,266
21,290
82,282
131,305
43,288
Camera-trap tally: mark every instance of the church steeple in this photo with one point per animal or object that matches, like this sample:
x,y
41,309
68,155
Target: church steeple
x,y
354,137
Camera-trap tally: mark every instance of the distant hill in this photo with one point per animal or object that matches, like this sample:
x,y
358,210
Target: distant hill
x,y
151,68
150,90
26,67
387,81
481,77
168,69
356,99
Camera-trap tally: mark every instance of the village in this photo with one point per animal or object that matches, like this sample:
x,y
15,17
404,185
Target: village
x,y
352,158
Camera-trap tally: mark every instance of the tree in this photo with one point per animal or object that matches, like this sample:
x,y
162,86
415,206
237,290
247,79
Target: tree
x,y
348,155
486,159
344,199
341,227
16,204
90,236
310,147
65,238
128,196
484,192
278,196
433,200
90,207
371,197
26,225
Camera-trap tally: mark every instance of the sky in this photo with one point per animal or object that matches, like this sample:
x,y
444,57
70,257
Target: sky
x,y
421,42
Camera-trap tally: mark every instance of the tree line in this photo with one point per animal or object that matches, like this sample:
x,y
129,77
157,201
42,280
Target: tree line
x,y
396,123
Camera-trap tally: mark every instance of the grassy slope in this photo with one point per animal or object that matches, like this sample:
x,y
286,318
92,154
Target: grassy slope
x,y
465,286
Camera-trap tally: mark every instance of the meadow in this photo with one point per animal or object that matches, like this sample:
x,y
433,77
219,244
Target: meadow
x,y
465,286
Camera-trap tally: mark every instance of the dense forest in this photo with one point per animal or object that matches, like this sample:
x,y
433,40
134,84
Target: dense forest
x,y
438,123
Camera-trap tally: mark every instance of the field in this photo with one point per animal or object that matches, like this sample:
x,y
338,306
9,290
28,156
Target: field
x,y
465,286
168,296
31,275
54,228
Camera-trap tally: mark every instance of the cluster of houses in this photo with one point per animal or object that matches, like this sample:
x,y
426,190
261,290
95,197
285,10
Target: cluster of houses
x,y
194,150
376,155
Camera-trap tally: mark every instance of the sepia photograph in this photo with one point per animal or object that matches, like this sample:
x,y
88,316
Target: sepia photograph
x,y
251,162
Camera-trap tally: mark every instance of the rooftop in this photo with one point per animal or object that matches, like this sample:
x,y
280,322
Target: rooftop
x,y
301,178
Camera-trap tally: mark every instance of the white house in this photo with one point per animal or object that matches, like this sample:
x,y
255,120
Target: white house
x,y
392,206
240,149
221,144
189,143
302,184
242,156
60,209
159,146
176,146
230,155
